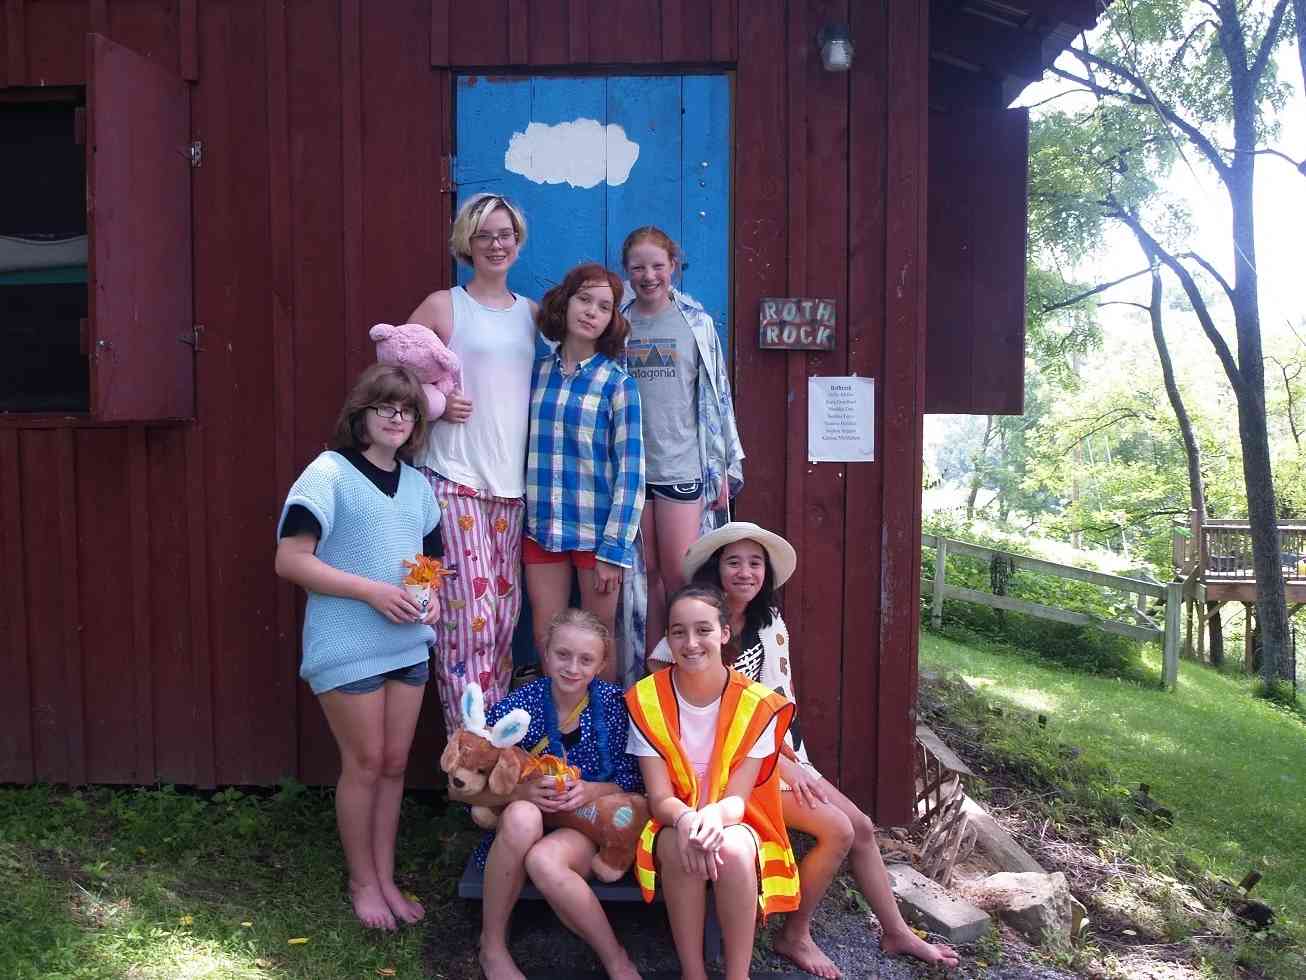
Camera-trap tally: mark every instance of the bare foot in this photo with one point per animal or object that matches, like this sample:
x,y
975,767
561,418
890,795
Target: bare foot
x,y
806,955
497,964
405,909
370,907
622,969
909,944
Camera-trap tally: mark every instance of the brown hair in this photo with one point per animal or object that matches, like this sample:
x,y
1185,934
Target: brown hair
x,y
654,234
378,384
704,592
552,315
582,620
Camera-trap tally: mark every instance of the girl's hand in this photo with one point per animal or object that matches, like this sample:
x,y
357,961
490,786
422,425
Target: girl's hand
x,y
708,835
457,407
542,792
432,610
607,577
693,859
393,603
807,787
577,794
723,495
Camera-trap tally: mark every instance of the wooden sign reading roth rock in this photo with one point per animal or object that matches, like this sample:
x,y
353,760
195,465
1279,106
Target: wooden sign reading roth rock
x,y
797,324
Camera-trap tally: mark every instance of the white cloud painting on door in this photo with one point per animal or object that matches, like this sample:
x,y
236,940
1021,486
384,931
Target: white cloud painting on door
x,y
582,153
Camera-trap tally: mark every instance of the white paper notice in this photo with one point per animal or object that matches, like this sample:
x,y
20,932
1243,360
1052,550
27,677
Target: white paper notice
x,y
841,420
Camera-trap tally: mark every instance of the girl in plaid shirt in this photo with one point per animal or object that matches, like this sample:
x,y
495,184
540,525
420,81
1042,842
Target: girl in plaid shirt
x,y
585,454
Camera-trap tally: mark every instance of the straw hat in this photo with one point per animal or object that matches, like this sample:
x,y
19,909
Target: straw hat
x,y
783,557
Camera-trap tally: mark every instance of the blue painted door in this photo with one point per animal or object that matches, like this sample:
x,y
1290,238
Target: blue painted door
x,y
589,159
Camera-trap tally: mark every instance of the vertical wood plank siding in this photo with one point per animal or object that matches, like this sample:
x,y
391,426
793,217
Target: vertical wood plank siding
x,y
16,714
821,163
6,56
903,376
865,318
51,38
317,212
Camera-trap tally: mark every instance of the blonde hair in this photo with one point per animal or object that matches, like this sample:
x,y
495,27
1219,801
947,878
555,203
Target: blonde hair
x,y
582,620
472,215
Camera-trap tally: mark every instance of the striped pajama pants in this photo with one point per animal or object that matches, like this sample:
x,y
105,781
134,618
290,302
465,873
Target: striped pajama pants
x,y
482,537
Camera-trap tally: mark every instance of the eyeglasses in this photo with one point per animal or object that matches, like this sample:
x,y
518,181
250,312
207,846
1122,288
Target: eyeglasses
x,y
505,237
388,413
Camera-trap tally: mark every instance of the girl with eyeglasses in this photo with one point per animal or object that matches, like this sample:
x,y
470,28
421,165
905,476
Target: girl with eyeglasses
x,y
476,455
350,521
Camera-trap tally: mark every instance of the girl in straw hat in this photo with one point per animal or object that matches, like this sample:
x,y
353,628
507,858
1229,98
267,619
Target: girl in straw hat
x,y
748,563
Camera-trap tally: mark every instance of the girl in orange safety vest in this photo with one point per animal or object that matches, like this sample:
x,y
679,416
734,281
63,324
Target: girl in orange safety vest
x,y
708,740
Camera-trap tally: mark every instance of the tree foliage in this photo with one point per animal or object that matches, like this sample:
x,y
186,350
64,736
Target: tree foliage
x,y
1195,82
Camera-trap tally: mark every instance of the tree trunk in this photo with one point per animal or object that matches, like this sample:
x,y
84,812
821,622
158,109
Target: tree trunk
x,y
1258,476
1287,390
977,470
1192,452
1216,624
1196,488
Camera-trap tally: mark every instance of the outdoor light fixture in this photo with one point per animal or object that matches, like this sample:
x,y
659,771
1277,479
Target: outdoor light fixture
x,y
836,47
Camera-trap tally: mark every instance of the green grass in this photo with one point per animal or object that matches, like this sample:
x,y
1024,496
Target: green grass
x,y
164,884
1232,767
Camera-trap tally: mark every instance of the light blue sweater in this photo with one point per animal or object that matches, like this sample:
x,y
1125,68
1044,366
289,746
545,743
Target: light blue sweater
x,y
369,534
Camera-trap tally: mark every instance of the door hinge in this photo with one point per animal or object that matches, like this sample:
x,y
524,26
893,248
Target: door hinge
x,y
193,338
447,185
196,153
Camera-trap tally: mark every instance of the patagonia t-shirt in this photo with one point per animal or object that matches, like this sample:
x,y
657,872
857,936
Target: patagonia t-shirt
x,y
662,357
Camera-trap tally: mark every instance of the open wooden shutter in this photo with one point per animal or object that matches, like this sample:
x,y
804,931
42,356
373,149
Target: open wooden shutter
x,y
975,342
138,207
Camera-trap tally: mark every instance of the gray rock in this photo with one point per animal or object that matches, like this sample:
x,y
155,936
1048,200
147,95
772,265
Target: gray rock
x,y
925,904
1036,905
992,838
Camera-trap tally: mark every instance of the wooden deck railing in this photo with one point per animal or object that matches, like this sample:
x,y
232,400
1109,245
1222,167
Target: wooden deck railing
x,y
1143,627
1225,551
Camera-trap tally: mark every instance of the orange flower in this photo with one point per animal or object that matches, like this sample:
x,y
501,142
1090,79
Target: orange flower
x,y
467,522
426,571
478,624
501,524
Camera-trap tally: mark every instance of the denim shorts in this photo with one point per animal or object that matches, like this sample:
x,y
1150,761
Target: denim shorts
x,y
414,676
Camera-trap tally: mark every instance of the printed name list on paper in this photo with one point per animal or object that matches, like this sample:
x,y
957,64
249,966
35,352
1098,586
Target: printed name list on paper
x,y
841,420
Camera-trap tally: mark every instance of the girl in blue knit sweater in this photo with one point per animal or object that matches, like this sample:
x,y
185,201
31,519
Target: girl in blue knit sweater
x,y
350,521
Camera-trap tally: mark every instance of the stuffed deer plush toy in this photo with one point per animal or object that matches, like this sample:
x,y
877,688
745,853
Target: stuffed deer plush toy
x,y
480,761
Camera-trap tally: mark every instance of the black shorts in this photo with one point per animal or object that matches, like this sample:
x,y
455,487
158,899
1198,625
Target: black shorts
x,y
681,493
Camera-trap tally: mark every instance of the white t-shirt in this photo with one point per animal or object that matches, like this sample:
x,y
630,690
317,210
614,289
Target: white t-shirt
x,y
497,350
765,659
697,735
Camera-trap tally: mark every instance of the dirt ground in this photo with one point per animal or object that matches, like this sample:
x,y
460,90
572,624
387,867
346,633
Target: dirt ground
x,y
543,948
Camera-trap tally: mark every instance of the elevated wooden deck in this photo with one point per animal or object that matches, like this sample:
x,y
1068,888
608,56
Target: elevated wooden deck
x,y
1220,553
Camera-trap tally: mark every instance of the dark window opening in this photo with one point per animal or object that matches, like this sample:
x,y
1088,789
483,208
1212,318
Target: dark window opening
x,y
43,254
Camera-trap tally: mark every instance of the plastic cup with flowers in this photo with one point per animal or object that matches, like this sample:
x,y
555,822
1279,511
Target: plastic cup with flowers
x,y
425,575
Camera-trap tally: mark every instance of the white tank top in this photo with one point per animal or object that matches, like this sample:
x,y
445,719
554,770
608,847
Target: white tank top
x,y
497,350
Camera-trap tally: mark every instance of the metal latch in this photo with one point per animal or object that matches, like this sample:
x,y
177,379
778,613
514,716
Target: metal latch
x,y
193,338
196,153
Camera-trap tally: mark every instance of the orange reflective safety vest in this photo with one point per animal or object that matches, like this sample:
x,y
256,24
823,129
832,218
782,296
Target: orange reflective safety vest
x,y
746,709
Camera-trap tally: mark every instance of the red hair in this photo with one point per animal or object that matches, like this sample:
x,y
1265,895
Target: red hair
x,y
655,235
552,315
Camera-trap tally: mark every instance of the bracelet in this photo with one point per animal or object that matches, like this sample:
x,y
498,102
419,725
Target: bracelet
x,y
675,824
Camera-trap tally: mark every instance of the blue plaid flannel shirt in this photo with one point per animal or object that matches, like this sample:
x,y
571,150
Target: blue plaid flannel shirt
x,y
585,459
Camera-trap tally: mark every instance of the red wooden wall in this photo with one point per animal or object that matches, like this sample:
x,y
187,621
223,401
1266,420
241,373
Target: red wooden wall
x,y
145,636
